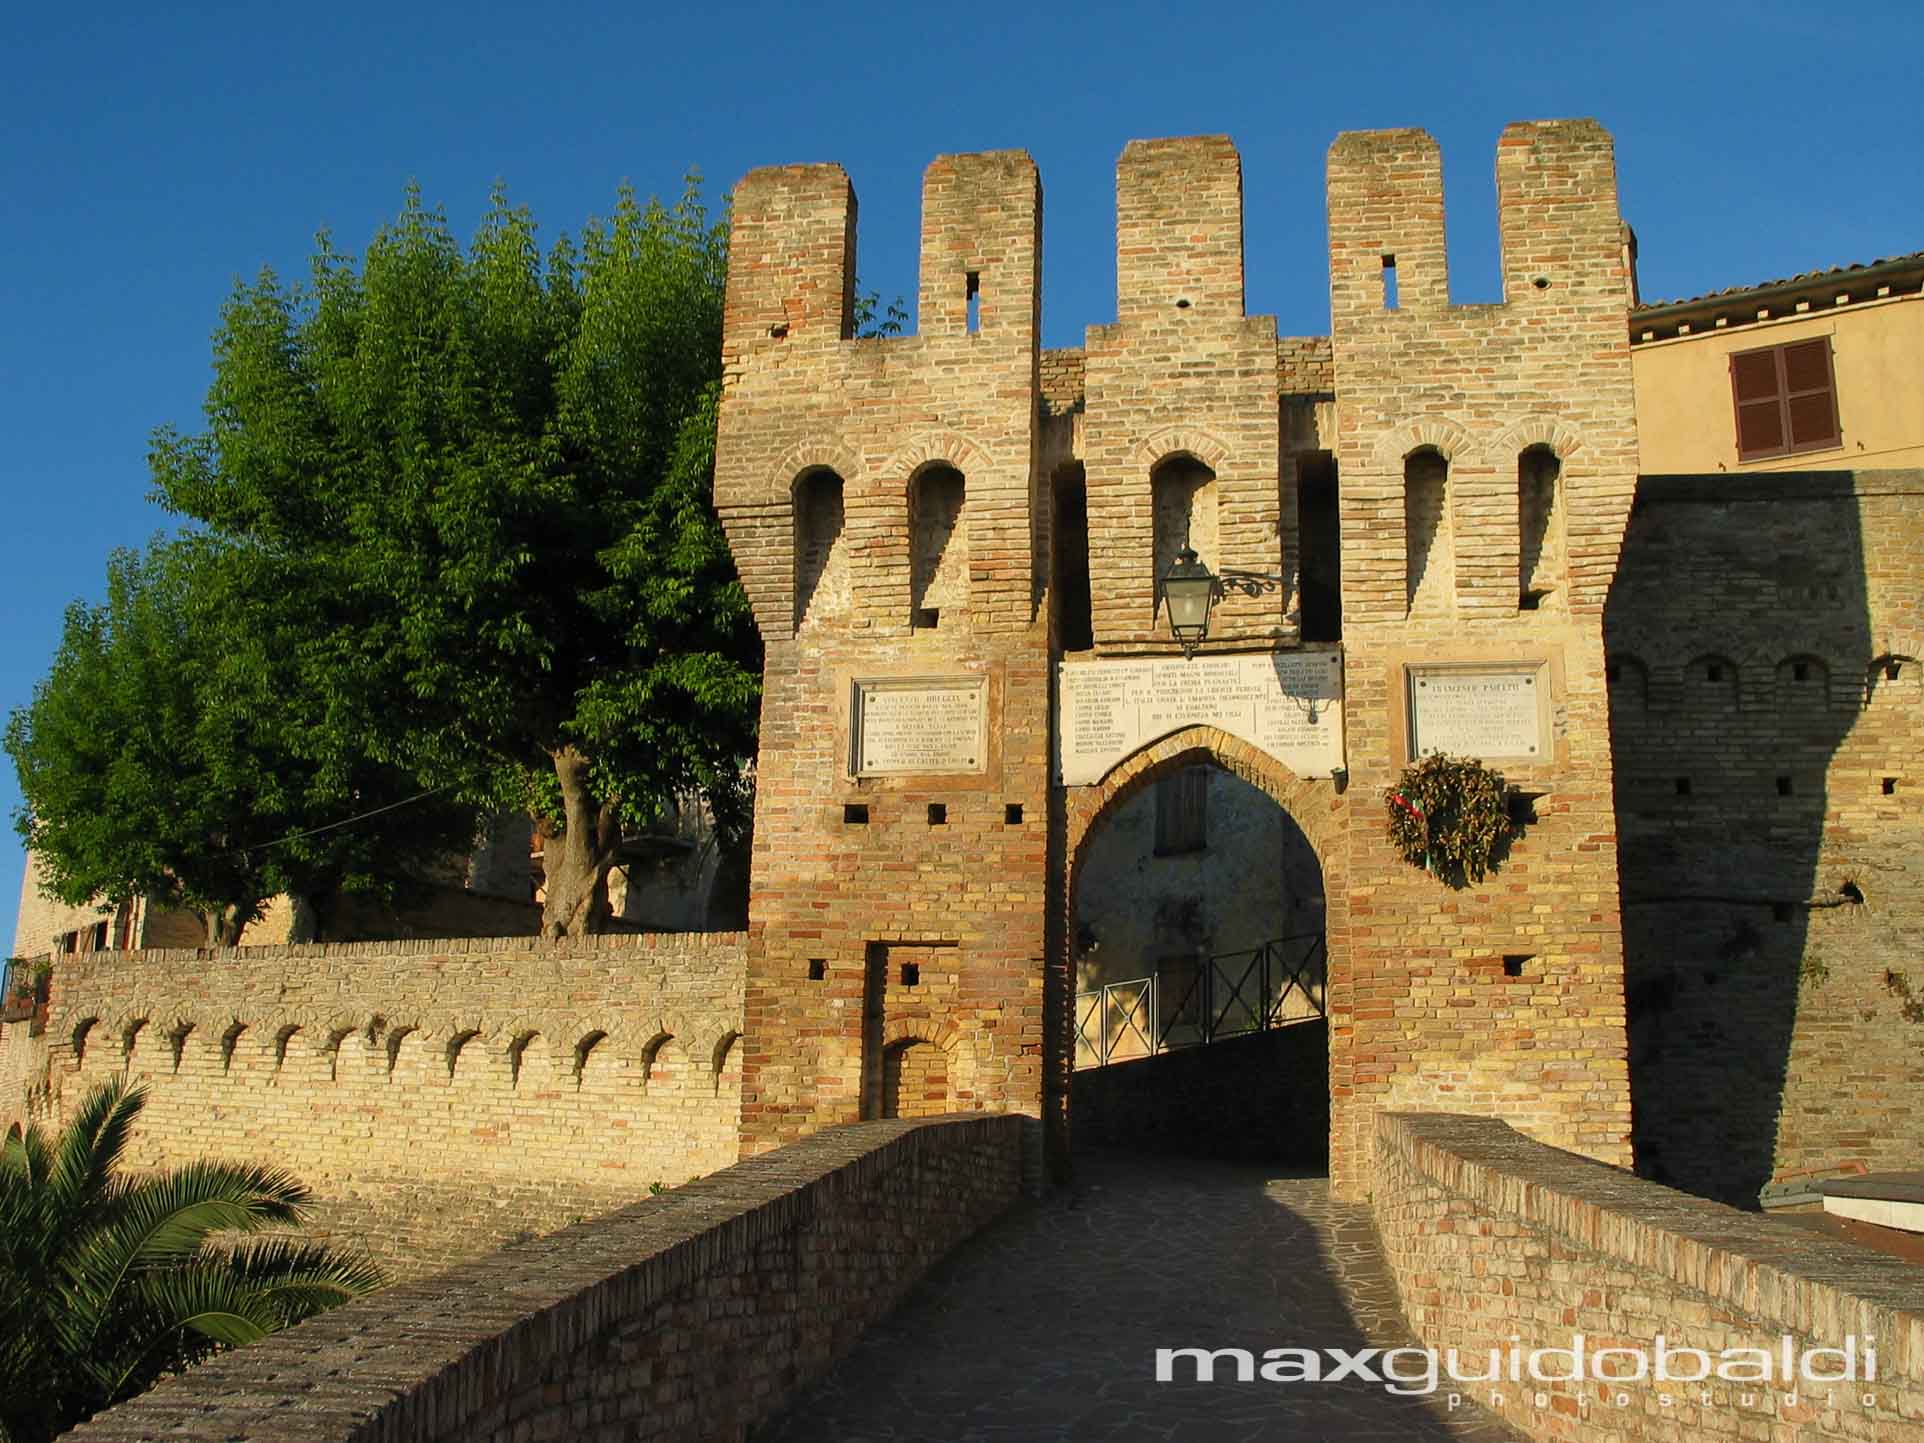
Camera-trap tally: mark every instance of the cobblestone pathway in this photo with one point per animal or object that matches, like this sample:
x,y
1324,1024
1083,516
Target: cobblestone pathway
x,y
1045,1326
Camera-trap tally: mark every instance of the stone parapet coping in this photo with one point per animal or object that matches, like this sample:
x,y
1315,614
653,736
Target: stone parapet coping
x,y
427,947
422,1360
1790,1280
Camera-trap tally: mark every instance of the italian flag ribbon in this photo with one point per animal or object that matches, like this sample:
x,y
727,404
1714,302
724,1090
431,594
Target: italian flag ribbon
x,y
1407,805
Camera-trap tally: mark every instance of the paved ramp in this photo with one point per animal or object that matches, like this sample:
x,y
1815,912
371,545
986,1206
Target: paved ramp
x,y
1046,1325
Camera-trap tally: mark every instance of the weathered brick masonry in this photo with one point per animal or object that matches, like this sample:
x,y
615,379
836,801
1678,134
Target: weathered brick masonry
x,y
1424,1013
689,1316
896,952
437,1097
825,442
1765,634
1499,1243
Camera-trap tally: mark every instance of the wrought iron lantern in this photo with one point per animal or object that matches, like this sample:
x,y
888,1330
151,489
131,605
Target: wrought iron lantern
x,y
1188,591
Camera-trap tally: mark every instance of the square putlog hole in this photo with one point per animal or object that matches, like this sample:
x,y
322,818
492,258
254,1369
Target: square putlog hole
x,y
938,814
1012,813
818,969
855,814
1514,964
911,974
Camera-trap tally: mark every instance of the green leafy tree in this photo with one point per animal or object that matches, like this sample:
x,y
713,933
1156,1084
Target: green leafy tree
x,y
109,1282
490,475
170,753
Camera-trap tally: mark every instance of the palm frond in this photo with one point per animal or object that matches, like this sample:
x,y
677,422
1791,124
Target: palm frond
x,y
27,1157
107,1284
93,1140
182,1311
300,1278
166,1219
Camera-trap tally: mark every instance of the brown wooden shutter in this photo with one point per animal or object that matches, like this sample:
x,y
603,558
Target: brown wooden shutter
x,y
1810,397
1786,400
1757,390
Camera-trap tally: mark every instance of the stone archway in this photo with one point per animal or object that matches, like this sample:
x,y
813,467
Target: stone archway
x,y
1315,808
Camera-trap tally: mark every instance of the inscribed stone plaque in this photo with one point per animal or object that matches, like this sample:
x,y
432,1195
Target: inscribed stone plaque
x,y
918,724
1478,712
1288,703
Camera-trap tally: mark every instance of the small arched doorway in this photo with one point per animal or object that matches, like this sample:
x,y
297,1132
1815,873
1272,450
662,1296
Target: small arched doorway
x,y
1196,975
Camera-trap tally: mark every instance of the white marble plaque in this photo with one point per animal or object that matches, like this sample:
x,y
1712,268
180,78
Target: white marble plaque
x,y
918,724
1288,703
1480,712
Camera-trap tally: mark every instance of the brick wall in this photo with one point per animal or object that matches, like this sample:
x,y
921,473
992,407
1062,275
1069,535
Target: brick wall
x,y
1184,376
1769,1045
1423,1011
437,1097
1497,1241
1422,1014
840,906
23,1067
692,1315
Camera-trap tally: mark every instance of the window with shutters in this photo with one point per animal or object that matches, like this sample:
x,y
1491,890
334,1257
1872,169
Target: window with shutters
x,y
1182,802
1786,400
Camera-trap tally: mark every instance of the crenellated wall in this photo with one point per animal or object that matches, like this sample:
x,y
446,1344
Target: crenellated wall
x,y
896,922
437,1097
1185,377
1185,422
1437,403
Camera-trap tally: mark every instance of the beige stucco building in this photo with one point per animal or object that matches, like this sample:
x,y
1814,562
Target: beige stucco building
x,y
1824,368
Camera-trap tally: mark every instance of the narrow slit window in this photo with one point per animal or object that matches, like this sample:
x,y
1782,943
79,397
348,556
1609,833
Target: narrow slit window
x,y
939,548
975,301
1539,527
1389,283
1429,572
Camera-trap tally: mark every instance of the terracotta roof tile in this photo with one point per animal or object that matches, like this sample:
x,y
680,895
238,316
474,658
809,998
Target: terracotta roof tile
x,y
1803,278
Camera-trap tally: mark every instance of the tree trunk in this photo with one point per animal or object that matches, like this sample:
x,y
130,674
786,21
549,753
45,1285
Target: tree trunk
x,y
310,920
225,924
577,861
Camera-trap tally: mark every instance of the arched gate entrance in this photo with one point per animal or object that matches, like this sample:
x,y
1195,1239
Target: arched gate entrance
x,y
1172,1010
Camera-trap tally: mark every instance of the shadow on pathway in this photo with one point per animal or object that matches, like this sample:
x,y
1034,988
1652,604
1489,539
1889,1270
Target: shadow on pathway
x,y
1046,1326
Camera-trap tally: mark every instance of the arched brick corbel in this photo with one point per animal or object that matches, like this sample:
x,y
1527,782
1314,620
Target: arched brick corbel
x,y
920,1029
1172,441
1559,435
946,448
818,453
1453,441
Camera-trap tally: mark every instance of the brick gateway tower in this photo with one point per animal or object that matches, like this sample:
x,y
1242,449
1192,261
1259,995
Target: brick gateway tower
x,y
951,542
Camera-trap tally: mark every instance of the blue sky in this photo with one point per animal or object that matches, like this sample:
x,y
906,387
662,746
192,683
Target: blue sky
x,y
156,153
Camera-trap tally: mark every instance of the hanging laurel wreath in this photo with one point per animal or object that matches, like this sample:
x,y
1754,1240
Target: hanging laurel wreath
x,y
1449,815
